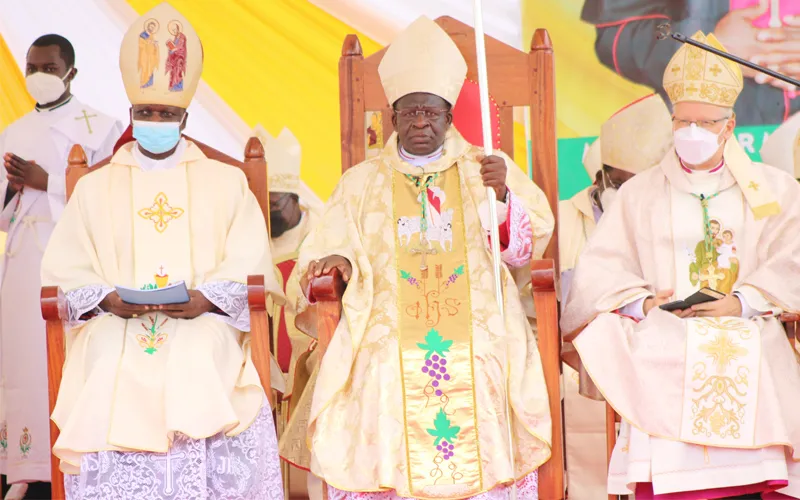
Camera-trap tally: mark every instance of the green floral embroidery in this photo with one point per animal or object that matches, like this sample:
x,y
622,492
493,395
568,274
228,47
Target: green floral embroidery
x,y
149,286
459,271
435,344
4,437
442,429
409,277
25,442
154,338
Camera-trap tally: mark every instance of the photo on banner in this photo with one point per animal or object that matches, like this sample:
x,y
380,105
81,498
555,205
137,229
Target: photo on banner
x,y
607,55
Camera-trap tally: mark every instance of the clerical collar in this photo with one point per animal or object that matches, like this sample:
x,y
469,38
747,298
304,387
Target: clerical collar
x,y
712,171
147,164
40,109
419,161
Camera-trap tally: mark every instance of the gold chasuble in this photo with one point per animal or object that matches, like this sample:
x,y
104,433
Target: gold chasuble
x,y
410,393
131,384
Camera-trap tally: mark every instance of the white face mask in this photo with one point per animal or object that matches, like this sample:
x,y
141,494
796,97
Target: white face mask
x,y
607,198
46,88
609,193
696,145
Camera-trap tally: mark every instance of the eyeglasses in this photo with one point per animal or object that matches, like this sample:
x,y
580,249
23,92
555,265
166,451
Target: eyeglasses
x,y
706,124
429,114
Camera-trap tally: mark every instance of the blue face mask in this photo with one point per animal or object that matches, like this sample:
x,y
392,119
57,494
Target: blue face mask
x,y
157,137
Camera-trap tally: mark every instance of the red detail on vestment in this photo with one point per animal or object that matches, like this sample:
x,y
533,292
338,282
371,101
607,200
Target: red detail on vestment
x,y
284,344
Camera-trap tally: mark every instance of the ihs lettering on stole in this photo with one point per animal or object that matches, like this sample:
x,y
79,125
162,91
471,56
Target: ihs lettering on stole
x,y
432,301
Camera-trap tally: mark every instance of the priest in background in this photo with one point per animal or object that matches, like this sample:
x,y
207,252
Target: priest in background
x,y
34,152
633,140
294,210
410,396
162,401
780,148
707,392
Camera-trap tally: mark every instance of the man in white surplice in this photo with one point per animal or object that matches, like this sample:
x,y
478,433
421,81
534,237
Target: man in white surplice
x,y
162,402
32,186
708,392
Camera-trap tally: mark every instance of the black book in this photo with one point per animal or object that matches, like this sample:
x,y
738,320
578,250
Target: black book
x,y
700,297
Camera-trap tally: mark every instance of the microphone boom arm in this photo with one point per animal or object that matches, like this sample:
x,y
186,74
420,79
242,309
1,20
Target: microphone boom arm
x,y
664,32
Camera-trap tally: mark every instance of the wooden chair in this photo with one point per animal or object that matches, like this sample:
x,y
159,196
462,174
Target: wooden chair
x,y
516,78
53,302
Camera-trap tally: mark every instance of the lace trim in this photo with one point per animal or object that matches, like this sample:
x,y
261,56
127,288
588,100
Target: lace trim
x,y
85,300
231,298
520,234
527,489
243,467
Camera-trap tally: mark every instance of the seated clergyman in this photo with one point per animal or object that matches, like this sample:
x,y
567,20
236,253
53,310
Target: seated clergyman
x,y
708,393
162,401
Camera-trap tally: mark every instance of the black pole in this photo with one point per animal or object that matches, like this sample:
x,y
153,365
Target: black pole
x,y
664,32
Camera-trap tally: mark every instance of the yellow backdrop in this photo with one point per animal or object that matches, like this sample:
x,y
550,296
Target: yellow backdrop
x,y
276,63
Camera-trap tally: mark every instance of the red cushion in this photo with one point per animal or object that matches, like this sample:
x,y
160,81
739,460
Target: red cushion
x,y
467,115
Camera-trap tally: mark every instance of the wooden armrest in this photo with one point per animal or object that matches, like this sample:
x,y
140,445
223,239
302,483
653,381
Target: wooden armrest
x,y
53,304
259,331
790,318
328,287
327,291
543,285
54,311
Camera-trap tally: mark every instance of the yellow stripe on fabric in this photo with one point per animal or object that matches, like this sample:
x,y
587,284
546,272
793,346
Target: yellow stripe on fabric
x,y
14,98
276,62
436,339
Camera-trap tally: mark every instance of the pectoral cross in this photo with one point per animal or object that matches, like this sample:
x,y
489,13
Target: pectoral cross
x,y
86,117
161,270
712,276
169,486
423,249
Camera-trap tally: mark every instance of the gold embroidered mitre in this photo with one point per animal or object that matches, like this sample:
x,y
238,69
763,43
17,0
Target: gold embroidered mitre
x,y
283,160
161,59
638,136
423,58
695,75
780,149
592,160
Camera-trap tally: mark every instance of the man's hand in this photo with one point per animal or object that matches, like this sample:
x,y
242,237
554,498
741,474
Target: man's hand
x,y
24,173
661,298
116,306
493,173
323,266
729,306
198,304
736,32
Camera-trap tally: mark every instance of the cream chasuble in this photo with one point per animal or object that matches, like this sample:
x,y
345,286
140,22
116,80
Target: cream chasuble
x,y
410,394
696,395
133,384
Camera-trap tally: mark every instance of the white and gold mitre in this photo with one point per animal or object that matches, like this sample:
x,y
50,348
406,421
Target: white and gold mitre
x,y
638,136
423,58
592,160
283,160
782,147
696,75
161,58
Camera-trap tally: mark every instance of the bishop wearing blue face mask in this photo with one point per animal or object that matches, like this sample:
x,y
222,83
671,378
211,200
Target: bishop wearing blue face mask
x,y
142,380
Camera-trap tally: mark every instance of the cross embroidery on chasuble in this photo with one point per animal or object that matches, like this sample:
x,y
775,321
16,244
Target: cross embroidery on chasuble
x,y
161,213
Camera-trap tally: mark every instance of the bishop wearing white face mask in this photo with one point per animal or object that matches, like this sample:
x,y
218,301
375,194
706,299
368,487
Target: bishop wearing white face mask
x,y
707,392
34,152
